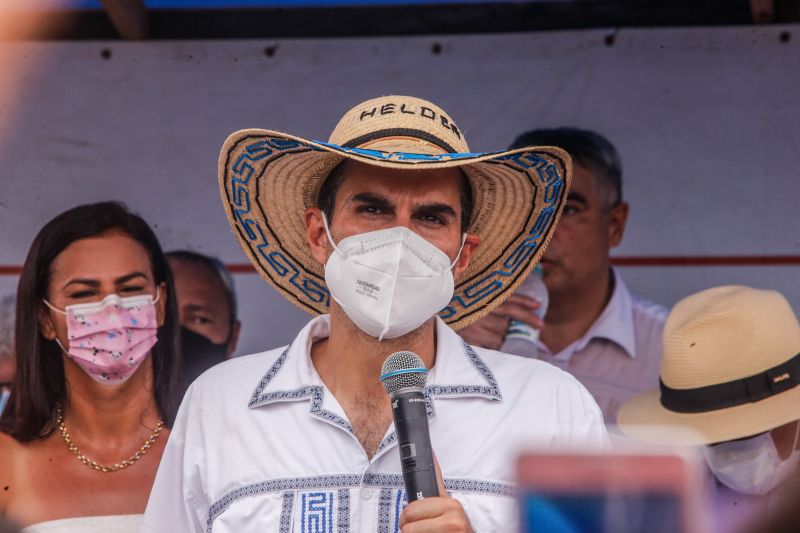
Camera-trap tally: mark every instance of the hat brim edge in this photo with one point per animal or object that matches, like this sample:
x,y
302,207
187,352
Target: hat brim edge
x,y
644,418
422,164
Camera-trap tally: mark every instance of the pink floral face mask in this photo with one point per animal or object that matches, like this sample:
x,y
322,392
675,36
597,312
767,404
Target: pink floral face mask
x,y
110,339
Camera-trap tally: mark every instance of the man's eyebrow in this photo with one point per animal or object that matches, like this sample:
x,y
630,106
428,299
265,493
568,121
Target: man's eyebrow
x,y
128,277
372,199
196,307
436,209
577,197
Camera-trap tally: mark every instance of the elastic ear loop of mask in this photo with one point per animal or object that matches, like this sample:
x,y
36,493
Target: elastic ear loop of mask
x,y
60,312
796,434
328,233
330,238
458,255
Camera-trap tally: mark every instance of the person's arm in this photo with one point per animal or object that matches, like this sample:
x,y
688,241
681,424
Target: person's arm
x,y
490,331
177,498
587,427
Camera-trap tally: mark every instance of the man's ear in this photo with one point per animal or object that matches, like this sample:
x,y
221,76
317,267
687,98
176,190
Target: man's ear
x,y
617,218
233,338
470,245
46,325
315,233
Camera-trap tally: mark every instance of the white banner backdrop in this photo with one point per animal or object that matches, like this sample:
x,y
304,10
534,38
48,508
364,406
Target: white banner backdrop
x,y
706,121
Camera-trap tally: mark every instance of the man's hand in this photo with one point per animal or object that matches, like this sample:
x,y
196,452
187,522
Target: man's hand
x,y
490,331
434,515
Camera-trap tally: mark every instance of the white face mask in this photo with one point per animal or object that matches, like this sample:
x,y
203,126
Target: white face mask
x,y
751,466
390,281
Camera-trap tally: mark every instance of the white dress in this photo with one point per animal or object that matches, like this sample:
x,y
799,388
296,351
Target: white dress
x,y
127,523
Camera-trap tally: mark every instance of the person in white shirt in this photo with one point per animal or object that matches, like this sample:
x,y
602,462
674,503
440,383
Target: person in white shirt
x,y
377,231
595,328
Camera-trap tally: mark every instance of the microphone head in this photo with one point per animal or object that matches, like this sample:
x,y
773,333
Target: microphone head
x,y
403,370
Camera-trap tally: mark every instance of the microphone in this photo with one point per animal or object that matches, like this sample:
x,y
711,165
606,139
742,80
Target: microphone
x,y
403,376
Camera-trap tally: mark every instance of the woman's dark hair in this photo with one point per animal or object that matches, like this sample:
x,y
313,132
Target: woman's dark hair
x,y
39,382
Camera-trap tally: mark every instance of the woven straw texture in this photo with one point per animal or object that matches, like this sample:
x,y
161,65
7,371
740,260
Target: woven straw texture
x,y
267,179
717,336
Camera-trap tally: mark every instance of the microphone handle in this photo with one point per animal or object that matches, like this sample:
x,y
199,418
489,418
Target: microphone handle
x,y
414,441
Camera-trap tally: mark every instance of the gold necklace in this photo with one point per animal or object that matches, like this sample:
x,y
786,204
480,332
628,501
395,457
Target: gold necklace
x,y
102,468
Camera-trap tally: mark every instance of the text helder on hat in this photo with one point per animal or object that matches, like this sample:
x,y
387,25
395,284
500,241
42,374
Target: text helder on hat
x,y
422,111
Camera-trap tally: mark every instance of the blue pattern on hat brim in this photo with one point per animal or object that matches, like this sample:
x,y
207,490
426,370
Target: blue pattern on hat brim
x,y
247,154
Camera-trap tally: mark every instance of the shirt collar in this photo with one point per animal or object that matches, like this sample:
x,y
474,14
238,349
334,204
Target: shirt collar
x,y
458,371
615,323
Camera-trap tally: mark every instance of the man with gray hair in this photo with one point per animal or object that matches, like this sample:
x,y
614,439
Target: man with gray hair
x,y
594,328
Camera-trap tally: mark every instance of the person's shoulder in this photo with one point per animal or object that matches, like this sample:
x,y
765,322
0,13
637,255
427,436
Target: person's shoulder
x,y
645,312
648,309
530,387
528,374
238,372
9,452
9,446
243,364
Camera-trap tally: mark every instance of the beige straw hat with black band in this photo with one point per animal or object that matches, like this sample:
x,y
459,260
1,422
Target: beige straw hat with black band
x,y
730,369
267,180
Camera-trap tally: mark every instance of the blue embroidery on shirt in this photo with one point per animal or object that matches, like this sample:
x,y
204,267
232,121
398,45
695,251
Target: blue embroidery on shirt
x,y
491,391
343,517
458,485
316,513
276,366
279,485
476,486
384,502
400,502
382,480
385,524
314,392
286,512
342,482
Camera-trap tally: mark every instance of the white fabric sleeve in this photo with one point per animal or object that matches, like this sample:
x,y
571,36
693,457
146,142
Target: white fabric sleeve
x,y
177,501
586,430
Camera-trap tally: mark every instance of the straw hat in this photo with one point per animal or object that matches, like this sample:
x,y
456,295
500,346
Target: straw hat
x,y
730,369
267,180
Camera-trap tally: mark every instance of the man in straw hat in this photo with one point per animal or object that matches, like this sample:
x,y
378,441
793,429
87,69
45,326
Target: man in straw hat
x,y
730,372
377,231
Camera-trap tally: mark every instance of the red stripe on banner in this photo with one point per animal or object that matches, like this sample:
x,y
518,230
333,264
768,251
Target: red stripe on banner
x,y
10,270
632,261
709,260
241,268
655,261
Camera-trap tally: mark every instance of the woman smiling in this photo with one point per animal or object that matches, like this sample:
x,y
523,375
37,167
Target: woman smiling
x,y
96,347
